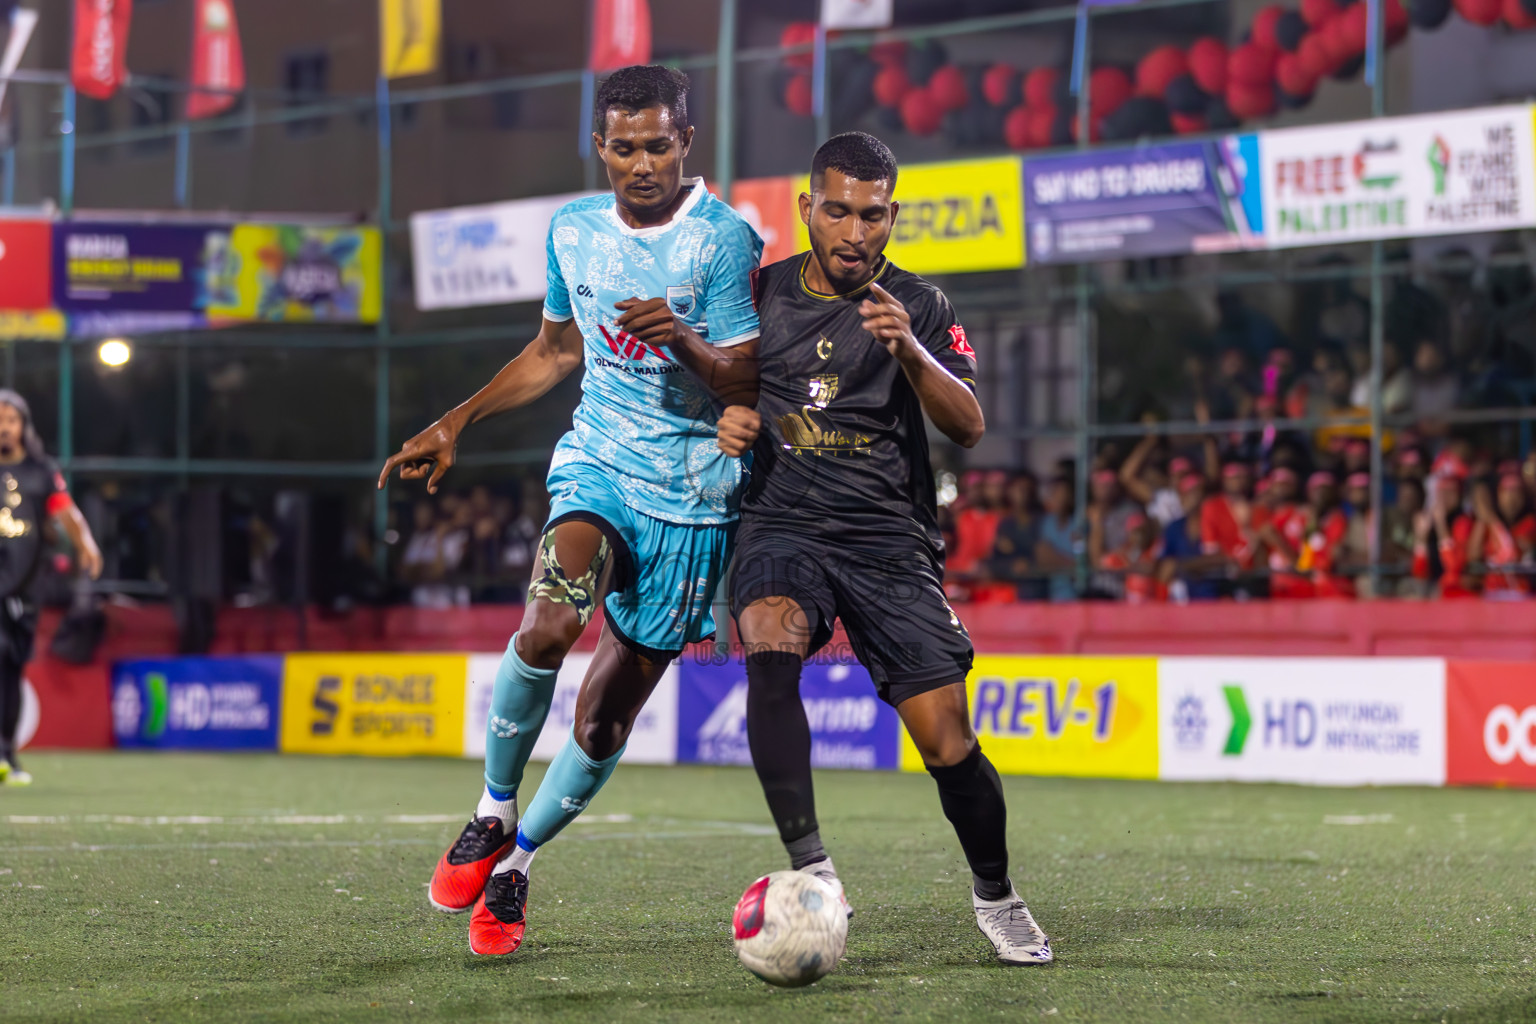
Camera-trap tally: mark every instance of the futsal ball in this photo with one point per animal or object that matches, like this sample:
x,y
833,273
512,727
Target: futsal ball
x,y
790,928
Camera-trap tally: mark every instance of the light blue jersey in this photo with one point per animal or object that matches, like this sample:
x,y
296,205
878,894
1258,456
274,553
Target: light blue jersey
x,y
644,421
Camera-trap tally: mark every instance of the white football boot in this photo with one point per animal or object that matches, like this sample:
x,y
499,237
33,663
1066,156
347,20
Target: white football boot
x,y
1012,931
824,870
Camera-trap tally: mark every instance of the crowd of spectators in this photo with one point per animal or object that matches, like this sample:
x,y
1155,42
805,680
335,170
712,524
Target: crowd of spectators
x,y
1171,522
470,548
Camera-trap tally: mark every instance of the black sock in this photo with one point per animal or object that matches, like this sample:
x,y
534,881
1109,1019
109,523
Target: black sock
x,y
780,740
805,851
10,708
972,797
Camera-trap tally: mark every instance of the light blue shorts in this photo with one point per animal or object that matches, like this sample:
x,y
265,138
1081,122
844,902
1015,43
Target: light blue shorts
x,y
664,574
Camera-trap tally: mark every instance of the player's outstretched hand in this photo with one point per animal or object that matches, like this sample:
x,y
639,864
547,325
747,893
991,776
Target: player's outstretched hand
x,y
738,430
429,454
650,320
887,319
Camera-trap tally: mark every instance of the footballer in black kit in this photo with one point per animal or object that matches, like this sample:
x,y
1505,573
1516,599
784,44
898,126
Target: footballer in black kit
x,y
840,513
32,493
838,521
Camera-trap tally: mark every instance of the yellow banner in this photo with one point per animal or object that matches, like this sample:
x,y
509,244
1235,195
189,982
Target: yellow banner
x,y
376,704
410,34
1089,717
25,325
955,217
293,273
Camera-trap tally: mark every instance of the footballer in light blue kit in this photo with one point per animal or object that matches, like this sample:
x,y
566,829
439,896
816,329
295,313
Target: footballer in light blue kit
x,y
650,291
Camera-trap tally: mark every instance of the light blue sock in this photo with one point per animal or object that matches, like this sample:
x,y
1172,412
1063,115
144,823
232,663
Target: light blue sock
x,y
571,782
519,704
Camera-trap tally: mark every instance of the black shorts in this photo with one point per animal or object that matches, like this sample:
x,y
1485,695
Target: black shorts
x,y
891,603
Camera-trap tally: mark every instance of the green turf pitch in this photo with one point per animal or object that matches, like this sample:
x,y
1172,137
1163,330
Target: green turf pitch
x,y
307,901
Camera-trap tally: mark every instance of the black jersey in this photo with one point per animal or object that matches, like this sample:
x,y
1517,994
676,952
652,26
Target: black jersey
x,y
30,490
844,446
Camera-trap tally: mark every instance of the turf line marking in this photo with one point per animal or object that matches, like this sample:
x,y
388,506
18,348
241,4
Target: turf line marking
x,y
323,843
276,819
1357,819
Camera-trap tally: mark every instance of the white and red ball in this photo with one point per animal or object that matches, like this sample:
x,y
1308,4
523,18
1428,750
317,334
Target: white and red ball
x,y
790,929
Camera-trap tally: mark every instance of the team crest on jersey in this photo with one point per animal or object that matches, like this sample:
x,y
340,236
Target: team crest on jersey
x,y
681,299
959,344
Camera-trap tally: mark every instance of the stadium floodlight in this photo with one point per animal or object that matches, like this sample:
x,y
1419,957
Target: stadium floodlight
x,y
115,352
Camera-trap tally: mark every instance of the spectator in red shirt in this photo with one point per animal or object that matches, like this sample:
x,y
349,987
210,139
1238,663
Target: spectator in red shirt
x,y
1441,536
1230,521
1503,538
1285,531
1131,571
1322,551
976,524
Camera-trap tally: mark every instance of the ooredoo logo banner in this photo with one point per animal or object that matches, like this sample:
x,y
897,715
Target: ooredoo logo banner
x,y
1491,718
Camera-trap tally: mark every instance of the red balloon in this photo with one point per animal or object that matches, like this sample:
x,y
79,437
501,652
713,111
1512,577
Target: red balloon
x,y
1315,56
1515,16
1187,124
1041,121
1479,12
1293,77
1157,69
1397,21
797,95
1337,42
1016,128
1108,88
1264,26
1357,27
1315,12
996,82
921,112
1208,64
799,33
1250,101
1251,64
948,87
892,85
1040,88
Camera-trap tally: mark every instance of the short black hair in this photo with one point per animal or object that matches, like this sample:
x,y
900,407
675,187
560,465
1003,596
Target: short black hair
x,y
856,154
639,87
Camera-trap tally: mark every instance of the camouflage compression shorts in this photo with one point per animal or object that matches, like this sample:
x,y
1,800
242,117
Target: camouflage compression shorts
x,y
554,585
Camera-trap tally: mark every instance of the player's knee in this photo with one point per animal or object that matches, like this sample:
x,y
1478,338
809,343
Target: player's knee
x,y
547,634
601,736
945,751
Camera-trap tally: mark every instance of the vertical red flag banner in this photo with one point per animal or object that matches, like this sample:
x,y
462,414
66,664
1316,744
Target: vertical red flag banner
x,y
217,60
100,62
621,34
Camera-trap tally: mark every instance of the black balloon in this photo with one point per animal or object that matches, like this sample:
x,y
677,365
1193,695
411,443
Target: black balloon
x,y
1290,29
1185,97
853,88
889,120
1431,14
780,82
923,59
1218,116
1529,7
1061,128
1290,102
1062,94
1138,117
1350,68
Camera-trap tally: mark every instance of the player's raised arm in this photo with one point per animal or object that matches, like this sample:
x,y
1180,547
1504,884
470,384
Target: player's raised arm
x,y
547,360
949,403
